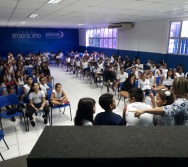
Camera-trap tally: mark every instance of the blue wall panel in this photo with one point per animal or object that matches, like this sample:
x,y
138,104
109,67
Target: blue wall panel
x,y
27,40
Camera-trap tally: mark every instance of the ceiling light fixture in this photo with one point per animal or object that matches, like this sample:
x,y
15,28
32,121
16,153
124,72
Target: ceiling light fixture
x,y
81,24
22,22
54,1
33,15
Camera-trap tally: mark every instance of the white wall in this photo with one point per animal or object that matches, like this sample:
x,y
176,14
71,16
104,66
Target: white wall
x,y
146,36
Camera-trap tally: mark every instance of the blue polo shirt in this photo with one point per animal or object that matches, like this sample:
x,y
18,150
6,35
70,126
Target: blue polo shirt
x,y
108,118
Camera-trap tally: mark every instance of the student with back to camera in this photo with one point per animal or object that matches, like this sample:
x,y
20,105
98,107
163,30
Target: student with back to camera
x,y
108,117
85,111
137,102
178,109
164,97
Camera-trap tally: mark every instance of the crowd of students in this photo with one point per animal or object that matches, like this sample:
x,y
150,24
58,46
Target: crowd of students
x,y
169,94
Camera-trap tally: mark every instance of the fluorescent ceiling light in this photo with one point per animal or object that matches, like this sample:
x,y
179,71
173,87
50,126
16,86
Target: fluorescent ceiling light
x,y
33,15
81,24
22,22
54,1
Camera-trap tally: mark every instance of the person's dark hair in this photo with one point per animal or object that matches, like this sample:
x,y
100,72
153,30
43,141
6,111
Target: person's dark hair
x,y
84,111
170,69
27,78
137,93
57,84
32,90
105,100
129,77
166,95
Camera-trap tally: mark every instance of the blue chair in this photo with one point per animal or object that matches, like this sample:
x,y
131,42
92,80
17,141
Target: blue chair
x,y
49,85
157,80
49,92
2,137
136,83
10,100
29,71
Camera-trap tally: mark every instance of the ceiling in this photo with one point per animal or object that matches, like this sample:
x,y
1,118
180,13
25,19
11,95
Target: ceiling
x,y
87,13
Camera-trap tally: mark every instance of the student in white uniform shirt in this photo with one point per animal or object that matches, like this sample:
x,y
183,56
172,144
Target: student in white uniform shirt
x,y
43,85
144,84
139,67
58,96
122,76
136,102
180,72
167,79
37,103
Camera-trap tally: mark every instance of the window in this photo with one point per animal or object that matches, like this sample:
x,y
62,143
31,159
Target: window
x,y
103,38
178,38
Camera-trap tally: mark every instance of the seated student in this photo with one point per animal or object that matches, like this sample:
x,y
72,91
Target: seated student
x,y
58,96
7,91
136,102
43,85
164,97
85,111
167,79
144,84
121,77
109,76
108,117
178,109
37,102
127,85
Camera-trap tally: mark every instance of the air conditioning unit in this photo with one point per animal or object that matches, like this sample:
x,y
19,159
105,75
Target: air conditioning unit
x,y
127,25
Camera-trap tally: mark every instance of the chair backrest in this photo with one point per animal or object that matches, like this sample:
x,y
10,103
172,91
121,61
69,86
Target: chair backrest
x,y
29,70
50,85
136,83
158,79
49,92
20,90
8,100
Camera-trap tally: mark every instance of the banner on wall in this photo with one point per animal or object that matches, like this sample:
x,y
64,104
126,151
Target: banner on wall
x,y
37,35
25,40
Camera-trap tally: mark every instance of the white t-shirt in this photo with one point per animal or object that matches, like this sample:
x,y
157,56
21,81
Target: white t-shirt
x,y
87,123
144,119
122,77
44,87
84,65
58,95
180,75
151,81
167,81
139,65
77,63
144,85
27,88
37,97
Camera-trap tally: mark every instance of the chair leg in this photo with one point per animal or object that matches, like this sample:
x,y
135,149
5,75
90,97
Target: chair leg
x,y
119,100
70,112
51,117
5,143
27,123
26,127
1,124
2,156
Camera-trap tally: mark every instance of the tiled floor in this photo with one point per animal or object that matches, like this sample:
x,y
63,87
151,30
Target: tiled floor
x,y
21,142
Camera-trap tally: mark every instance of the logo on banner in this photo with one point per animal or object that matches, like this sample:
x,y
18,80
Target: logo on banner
x,y
26,34
59,34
